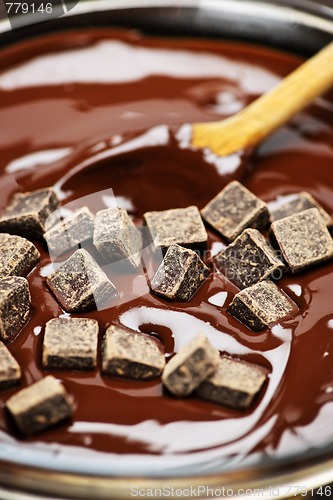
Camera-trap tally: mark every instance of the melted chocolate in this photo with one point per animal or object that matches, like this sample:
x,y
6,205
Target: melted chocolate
x,y
73,107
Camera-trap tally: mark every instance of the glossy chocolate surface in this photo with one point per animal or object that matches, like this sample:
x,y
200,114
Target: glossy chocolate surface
x,y
72,109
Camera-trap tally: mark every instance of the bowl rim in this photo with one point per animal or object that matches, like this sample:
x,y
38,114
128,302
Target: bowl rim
x,y
294,11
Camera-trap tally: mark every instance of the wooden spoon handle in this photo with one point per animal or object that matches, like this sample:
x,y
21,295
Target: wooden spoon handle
x,y
255,122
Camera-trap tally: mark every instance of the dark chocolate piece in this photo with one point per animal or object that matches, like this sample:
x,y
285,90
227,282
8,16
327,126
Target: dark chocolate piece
x,y
41,405
15,303
235,383
18,256
304,239
180,274
27,213
234,209
294,204
182,226
249,259
10,371
190,366
116,237
262,305
130,354
70,343
71,232
81,285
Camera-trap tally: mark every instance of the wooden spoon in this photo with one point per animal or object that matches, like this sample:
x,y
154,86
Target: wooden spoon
x,y
258,120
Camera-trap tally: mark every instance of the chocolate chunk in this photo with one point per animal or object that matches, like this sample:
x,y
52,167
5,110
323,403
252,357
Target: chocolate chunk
x,y
182,226
304,239
116,237
234,209
10,371
262,305
72,231
180,274
294,204
235,383
249,259
41,405
81,285
14,306
17,255
131,354
190,366
27,213
70,343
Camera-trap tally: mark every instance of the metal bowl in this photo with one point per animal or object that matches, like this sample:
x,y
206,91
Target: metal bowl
x,y
297,26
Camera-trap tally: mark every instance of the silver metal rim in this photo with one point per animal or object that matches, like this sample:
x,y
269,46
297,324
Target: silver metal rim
x,y
253,9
